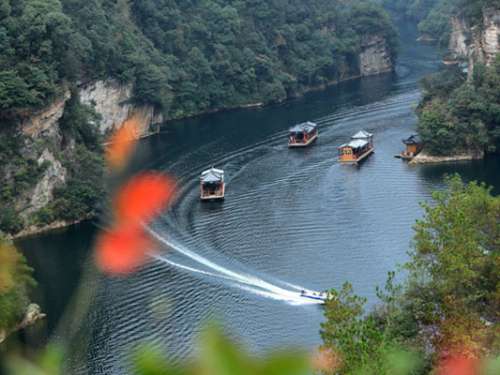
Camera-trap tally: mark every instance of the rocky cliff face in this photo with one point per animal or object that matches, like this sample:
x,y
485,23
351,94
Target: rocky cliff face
x,y
479,43
44,146
113,102
375,57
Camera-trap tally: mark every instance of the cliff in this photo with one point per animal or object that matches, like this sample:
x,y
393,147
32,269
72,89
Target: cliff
x,y
375,57
476,43
41,155
113,102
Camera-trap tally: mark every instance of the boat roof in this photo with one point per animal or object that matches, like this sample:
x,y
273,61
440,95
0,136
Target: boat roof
x,y
412,140
362,134
357,143
212,175
304,127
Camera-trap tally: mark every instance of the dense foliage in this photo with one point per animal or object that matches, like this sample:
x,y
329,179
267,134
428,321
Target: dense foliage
x,y
434,16
459,116
15,281
448,304
229,53
184,57
81,156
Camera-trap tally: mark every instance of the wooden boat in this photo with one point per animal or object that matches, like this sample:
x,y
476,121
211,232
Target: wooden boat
x,y
413,147
212,185
302,135
358,149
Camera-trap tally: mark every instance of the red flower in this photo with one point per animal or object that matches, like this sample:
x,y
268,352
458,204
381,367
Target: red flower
x,y
122,250
142,198
122,143
459,365
125,247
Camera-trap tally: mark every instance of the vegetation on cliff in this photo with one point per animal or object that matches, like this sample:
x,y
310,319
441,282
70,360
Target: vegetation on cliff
x,y
76,148
183,57
434,16
447,306
457,116
15,282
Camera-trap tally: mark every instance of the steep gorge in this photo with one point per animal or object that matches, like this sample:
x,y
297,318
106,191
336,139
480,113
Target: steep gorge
x,y
172,60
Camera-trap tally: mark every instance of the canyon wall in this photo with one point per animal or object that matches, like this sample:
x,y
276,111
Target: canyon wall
x,y
375,57
476,44
45,144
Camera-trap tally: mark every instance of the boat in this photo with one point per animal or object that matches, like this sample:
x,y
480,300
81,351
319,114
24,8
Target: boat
x,y
302,135
413,147
358,149
317,296
212,185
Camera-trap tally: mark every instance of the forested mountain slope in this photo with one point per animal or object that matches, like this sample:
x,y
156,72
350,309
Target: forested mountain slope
x,y
71,70
182,56
434,16
460,110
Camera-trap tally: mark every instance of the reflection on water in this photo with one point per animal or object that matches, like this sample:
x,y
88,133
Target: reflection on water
x,y
481,170
292,219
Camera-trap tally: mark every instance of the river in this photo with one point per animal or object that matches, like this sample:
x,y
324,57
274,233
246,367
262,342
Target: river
x,y
292,219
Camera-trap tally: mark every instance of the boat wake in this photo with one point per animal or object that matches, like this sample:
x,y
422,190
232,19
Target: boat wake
x,y
243,281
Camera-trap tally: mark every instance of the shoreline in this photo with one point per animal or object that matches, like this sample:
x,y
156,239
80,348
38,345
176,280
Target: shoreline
x,y
61,224
32,315
35,231
256,105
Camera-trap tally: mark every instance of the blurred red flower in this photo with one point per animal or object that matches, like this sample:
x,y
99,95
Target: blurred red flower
x,y
121,143
123,249
143,197
459,365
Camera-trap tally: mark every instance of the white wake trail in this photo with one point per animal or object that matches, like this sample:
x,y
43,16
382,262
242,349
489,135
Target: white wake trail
x,y
259,292
241,278
190,269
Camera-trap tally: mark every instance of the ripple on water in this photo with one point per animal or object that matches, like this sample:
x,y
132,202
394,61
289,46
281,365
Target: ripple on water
x,y
290,216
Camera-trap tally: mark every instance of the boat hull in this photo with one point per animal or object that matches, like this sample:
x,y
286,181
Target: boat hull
x,y
213,197
359,159
314,296
301,145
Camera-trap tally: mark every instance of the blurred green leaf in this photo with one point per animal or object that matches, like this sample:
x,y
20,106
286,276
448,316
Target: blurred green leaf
x,y
492,367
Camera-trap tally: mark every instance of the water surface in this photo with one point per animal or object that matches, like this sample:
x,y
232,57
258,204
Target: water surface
x,y
292,219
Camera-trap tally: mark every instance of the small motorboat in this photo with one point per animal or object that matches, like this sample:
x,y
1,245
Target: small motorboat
x,y
317,296
302,135
212,185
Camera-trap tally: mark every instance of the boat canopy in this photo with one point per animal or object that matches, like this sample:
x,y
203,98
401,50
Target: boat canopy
x,y
362,134
212,175
413,140
355,144
305,127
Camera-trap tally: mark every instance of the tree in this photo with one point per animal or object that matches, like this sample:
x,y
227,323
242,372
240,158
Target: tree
x,y
447,305
15,281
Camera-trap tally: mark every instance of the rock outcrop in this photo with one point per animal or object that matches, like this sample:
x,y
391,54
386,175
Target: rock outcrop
x,y
375,57
32,316
113,102
478,43
45,145
54,176
44,122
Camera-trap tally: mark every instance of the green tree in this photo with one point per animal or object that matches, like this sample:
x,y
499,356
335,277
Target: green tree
x,y
15,281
